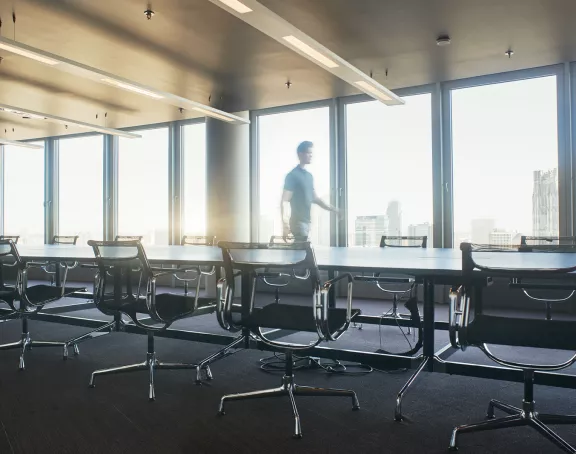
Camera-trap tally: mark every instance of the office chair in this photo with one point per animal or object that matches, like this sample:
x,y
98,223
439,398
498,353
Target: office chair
x,y
199,271
30,299
327,324
153,312
277,280
14,238
50,268
408,285
470,325
528,242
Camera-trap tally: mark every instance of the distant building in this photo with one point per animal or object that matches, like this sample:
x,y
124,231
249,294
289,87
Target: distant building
x,y
504,238
424,229
394,213
481,229
545,203
369,230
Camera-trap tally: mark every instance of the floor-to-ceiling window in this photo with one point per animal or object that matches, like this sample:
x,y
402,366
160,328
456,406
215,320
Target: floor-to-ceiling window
x,y
24,193
80,187
194,156
143,186
389,170
505,161
278,137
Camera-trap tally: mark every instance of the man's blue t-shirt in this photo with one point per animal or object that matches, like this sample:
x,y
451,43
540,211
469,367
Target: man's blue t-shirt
x,y
301,183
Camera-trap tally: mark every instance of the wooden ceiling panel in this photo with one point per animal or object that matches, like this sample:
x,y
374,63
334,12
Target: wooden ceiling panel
x,y
197,50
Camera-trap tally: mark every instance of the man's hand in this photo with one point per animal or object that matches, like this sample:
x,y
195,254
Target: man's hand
x,y
285,230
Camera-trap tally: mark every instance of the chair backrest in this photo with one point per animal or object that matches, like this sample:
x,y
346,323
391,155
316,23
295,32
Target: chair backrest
x,y
9,251
250,257
198,240
404,241
14,238
545,269
65,239
120,253
128,238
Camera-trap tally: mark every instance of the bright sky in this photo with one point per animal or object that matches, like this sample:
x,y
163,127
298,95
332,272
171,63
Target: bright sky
x,y
501,134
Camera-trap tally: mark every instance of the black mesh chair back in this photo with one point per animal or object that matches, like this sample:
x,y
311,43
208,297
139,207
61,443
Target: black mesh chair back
x,y
65,239
14,238
198,240
546,267
254,259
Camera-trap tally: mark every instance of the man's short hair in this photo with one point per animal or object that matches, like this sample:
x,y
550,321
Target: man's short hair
x,y
304,146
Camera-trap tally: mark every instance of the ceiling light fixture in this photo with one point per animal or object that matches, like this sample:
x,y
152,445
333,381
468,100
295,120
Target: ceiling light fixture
x,y
66,121
212,114
303,47
284,32
26,51
237,6
443,40
17,143
88,72
126,86
372,90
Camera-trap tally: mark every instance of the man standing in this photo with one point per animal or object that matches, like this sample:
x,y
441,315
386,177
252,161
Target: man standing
x,y
299,195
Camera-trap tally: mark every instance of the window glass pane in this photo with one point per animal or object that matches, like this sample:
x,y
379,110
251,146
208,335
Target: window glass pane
x,y
505,149
24,194
143,186
194,147
279,136
80,187
389,162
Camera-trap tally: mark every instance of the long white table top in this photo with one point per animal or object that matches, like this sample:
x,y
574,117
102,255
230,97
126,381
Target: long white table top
x,y
413,261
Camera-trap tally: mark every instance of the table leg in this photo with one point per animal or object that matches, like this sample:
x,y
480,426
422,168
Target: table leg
x,y
57,275
429,321
332,293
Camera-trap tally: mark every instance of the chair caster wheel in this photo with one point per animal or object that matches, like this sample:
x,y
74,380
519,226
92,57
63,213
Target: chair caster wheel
x,y
221,413
490,417
297,436
453,448
91,385
356,408
151,399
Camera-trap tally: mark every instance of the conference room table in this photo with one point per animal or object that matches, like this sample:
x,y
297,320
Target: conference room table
x,y
431,266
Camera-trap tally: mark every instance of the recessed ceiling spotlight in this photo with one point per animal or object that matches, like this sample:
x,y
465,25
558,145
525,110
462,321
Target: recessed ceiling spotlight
x,y
443,40
149,12
509,53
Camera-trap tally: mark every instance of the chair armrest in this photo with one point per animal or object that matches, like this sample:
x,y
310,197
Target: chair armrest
x,y
321,308
459,306
224,303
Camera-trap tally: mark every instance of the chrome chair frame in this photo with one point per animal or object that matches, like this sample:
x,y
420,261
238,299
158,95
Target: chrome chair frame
x,y
320,313
461,323
196,240
122,305
560,240
28,308
50,268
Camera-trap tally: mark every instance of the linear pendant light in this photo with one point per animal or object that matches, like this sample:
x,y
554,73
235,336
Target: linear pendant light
x,y
258,16
88,72
17,143
19,111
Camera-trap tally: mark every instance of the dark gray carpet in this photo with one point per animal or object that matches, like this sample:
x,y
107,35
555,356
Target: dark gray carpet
x,y
49,408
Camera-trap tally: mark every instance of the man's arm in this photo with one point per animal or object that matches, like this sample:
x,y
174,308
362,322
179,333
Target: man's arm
x,y
285,211
322,204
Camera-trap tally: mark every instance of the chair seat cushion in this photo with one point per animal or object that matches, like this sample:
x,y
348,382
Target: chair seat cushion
x,y
536,333
170,306
7,294
47,293
293,317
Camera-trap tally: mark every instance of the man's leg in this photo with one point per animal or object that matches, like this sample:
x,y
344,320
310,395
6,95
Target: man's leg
x,y
300,230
